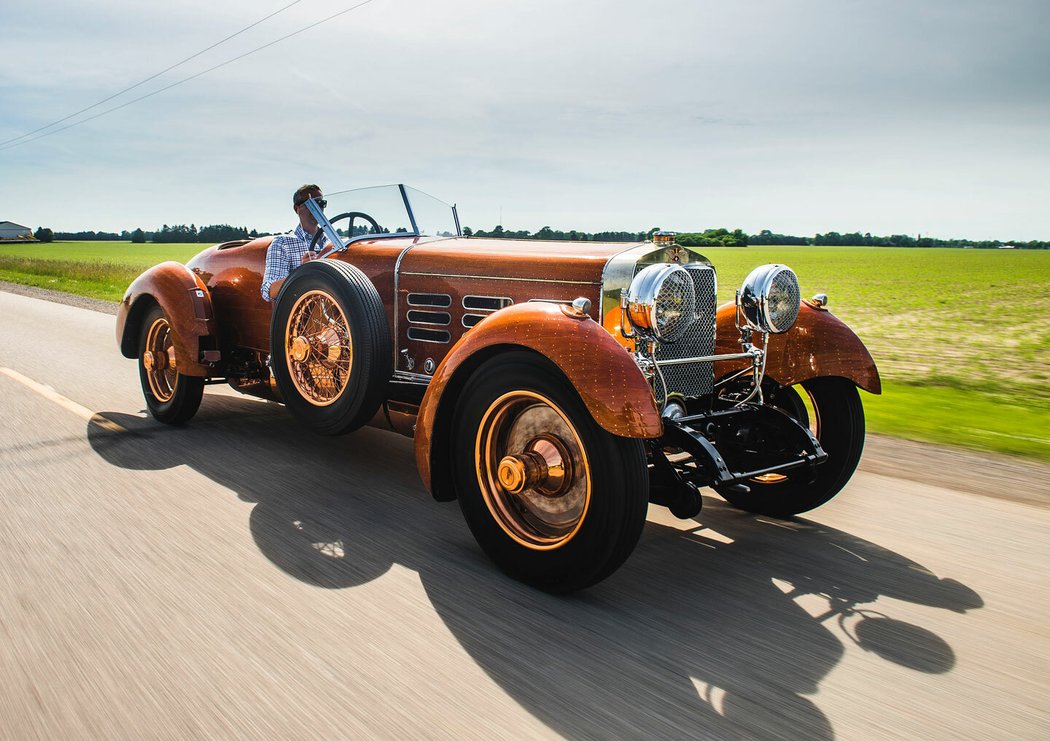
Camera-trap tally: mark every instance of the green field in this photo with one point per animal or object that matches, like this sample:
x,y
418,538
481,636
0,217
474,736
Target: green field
x,y
960,336
95,269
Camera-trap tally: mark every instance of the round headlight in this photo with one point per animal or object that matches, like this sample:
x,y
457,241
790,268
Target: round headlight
x,y
662,301
769,299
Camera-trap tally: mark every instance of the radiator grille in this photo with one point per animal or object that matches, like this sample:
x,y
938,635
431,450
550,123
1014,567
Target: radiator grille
x,y
693,379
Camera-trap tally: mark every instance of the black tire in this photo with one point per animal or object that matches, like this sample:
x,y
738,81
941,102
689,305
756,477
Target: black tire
x,y
591,544
171,397
838,423
338,385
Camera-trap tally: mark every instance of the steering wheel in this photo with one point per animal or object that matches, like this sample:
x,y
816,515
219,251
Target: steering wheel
x,y
376,229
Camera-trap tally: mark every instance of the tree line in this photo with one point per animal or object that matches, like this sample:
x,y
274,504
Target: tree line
x,y
180,233
720,237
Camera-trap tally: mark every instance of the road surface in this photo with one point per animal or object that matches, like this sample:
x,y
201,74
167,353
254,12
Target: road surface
x,y
241,577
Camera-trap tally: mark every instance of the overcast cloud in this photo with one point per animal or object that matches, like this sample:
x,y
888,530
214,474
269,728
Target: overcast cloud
x,y
798,116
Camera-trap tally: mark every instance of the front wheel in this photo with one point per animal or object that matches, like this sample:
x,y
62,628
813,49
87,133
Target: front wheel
x,y
171,397
551,497
832,409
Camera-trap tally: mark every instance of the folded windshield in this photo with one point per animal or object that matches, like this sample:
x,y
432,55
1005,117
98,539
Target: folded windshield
x,y
385,210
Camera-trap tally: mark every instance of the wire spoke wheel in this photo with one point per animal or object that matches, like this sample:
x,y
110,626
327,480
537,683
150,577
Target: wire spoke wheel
x,y
318,348
158,358
533,470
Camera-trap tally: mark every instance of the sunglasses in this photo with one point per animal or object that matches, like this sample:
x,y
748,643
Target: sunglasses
x,y
319,201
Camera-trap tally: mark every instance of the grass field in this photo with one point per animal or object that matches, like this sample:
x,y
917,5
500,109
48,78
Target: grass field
x,y
961,337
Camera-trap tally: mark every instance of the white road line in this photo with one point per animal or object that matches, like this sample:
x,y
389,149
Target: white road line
x,y
51,395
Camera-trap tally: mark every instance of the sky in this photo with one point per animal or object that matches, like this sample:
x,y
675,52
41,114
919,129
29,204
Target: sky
x,y
802,116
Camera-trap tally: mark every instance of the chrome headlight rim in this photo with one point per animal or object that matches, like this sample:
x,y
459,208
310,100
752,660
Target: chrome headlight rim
x,y
769,299
648,297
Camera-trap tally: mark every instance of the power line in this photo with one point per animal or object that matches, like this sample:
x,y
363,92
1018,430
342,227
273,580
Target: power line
x,y
15,143
151,77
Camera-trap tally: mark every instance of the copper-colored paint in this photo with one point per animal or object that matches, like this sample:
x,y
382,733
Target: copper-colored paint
x,y
319,354
819,344
608,380
580,262
160,361
539,511
173,286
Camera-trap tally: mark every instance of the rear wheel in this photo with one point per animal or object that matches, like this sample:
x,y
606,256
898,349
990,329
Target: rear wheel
x,y
551,497
832,410
171,397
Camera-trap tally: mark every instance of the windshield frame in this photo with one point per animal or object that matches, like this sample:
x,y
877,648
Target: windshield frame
x,y
338,243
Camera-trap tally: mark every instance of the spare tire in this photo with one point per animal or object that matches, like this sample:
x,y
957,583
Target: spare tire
x,y
330,346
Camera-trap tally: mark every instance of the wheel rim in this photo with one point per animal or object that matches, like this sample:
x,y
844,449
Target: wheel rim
x,y
533,470
158,358
318,348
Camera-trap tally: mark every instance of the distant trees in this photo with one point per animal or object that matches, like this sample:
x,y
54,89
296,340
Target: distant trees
x,y
767,237
88,236
718,237
714,238
547,233
180,233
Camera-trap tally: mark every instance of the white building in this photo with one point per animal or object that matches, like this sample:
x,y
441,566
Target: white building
x,y
11,230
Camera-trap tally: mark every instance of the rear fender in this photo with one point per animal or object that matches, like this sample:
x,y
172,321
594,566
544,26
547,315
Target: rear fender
x,y
819,344
186,302
609,382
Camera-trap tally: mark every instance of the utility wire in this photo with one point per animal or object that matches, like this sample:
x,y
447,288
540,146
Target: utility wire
x,y
14,143
151,77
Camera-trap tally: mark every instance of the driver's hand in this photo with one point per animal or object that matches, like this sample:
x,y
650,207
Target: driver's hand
x,y
308,257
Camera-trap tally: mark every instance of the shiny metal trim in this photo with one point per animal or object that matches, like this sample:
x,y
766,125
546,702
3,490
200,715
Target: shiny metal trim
x,y
620,269
479,317
709,358
752,299
409,377
397,299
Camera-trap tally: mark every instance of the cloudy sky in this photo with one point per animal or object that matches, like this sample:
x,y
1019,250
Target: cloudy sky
x,y
898,116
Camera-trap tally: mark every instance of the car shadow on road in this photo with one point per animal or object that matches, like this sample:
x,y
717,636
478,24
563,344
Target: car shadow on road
x,y
721,627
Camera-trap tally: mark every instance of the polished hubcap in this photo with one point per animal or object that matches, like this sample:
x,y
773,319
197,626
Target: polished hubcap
x,y
158,359
318,348
533,470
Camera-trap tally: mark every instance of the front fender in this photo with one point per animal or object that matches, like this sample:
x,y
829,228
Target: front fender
x,y
819,344
609,382
186,302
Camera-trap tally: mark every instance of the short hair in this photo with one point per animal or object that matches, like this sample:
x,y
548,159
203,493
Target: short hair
x,y
302,194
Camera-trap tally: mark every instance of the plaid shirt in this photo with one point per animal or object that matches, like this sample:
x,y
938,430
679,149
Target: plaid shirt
x,y
285,255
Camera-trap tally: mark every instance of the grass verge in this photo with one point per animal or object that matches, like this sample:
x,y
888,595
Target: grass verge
x,y
961,417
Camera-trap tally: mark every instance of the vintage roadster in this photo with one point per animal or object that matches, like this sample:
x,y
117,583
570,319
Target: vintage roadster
x,y
554,389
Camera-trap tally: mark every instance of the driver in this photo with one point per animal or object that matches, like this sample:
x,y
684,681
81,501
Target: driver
x,y
289,251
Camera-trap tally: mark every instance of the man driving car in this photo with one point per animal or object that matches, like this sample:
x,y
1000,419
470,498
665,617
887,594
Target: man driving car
x,y
289,251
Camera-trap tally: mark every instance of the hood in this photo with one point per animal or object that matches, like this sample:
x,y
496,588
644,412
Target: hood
x,y
513,258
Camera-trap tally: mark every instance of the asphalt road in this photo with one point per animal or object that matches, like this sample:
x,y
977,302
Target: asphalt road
x,y
241,577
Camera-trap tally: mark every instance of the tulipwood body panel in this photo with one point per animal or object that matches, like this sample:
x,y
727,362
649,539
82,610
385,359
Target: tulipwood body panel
x,y
820,344
174,288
